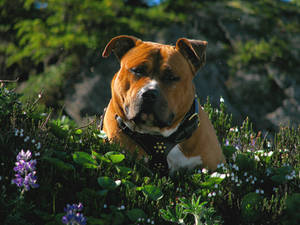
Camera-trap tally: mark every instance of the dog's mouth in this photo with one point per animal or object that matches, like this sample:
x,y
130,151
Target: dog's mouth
x,y
150,121
153,120
149,111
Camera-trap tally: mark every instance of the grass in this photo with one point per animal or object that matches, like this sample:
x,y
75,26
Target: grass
x,y
260,183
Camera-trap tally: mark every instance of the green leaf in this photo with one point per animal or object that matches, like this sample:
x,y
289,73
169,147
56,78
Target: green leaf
x,y
279,179
115,157
244,162
279,176
100,157
85,160
228,151
251,207
176,215
211,182
103,192
128,183
79,131
107,183
118,218
151,191
123,170
96,221
59,163
135,214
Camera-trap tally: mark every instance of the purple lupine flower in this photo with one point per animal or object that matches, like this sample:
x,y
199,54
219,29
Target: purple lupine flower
x,y
24,155
25,171
227,142
73,217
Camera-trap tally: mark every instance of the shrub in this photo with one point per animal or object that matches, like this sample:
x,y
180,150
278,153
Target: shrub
x,y
259,184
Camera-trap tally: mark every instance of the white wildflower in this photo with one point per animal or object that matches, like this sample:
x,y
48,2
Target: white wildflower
x,y
118,182
204,170
221,99
256,158
288,177
26,138
38,145
220,175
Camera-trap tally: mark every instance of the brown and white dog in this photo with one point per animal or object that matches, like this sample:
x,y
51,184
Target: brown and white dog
x,y
153,96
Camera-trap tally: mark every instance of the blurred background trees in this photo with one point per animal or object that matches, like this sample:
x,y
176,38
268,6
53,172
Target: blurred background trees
x,y
54,47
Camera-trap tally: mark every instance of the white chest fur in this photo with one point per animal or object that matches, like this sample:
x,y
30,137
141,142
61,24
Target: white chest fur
x,y
176,160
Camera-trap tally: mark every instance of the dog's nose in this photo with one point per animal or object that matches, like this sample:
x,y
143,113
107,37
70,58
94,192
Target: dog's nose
x,y
150,95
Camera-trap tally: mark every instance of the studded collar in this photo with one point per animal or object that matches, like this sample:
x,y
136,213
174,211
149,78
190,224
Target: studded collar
x,y
158,146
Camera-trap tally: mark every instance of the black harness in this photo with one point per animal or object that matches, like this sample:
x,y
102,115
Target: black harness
x,y
158,146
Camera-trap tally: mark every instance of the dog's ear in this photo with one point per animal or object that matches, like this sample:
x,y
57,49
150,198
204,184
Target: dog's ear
x,y
120,45
194,51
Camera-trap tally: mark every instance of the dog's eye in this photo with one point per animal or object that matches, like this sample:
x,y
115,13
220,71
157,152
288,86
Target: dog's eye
x,y
169,77
138,71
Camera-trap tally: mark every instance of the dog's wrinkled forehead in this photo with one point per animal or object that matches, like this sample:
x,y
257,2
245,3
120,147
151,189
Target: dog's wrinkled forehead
x,y
146,53
194,51
154,59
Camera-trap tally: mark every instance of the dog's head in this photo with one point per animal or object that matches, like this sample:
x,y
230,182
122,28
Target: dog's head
x,y
153,90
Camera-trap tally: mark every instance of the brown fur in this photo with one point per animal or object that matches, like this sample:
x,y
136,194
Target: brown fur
x,y
182,59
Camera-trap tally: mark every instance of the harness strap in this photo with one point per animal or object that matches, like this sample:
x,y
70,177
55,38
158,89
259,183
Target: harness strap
x,y
158,146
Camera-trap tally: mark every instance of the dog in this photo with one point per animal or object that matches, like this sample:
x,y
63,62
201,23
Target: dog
x,y
153,109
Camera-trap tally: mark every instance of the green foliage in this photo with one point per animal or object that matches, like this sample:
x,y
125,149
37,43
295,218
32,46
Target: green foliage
x,y
254,52
70,27
151,191
292,214
251,206
259,184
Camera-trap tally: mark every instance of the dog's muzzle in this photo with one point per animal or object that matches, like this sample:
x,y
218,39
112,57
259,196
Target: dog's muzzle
x,y
151,109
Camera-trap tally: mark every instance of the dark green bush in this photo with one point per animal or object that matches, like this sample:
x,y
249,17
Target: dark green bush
x,y
258,185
